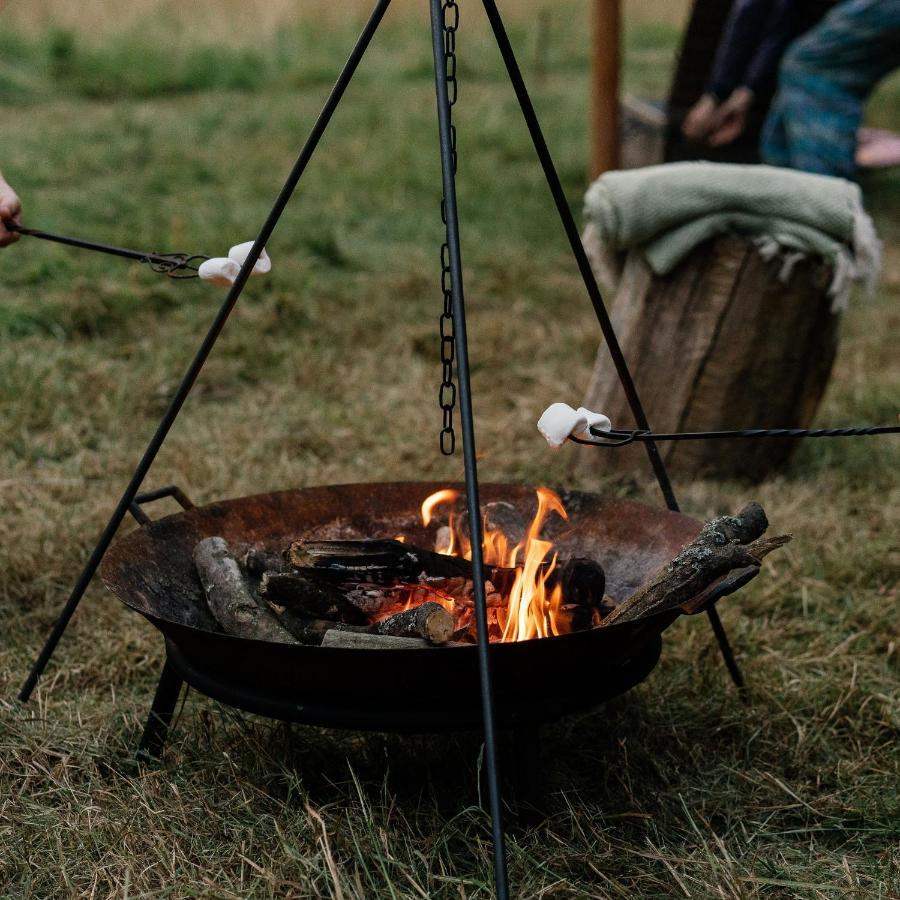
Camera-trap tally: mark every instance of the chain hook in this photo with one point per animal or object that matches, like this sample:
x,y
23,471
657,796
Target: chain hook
x,y
447,392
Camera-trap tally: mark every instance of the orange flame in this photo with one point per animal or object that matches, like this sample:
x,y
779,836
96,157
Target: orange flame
x,y
530,608
448,495
534,610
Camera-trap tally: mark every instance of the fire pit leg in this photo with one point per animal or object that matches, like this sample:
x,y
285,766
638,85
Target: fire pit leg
x,y
529,784
157,728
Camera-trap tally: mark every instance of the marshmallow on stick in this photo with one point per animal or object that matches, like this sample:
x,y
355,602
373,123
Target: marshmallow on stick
x,y
560,421
219,270
240,252
224,270
594,420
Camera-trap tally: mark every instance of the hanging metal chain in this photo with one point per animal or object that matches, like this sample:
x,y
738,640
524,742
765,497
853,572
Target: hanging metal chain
x,y
447,393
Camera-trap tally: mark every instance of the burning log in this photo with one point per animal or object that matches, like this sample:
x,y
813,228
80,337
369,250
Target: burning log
x,y
429,622
499,516
229,599
374,575
583,581
725,544
313,597
385,563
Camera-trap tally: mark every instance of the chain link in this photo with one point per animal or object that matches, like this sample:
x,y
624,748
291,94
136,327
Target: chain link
x,y
447,393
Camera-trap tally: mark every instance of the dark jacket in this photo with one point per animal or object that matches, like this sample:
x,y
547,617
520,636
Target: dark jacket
x,y
756,35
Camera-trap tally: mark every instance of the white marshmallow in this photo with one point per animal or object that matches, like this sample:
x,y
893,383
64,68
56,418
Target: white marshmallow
x,y
558,421
219,270
594,420
240,252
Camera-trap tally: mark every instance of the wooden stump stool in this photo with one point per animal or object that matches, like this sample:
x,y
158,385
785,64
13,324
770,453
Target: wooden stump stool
x,y
718,343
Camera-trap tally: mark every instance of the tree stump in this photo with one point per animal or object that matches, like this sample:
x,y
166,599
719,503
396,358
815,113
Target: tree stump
x,y
718,343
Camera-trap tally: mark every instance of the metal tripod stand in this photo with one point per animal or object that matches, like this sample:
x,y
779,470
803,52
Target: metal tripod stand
x,y
444,20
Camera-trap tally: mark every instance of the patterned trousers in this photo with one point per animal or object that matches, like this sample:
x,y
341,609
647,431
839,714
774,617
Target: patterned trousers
x,y
824,81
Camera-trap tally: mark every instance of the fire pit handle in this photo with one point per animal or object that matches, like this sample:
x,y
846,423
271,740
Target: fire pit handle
x,y
170,490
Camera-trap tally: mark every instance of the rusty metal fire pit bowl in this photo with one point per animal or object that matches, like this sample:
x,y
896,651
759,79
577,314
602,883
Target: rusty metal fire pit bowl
x,y
151,570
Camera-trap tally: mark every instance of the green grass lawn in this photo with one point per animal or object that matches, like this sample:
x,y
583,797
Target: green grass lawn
x,y
328,372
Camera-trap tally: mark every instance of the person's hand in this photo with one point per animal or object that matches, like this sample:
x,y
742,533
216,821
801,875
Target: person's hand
x,y
731,118
701,119
10,211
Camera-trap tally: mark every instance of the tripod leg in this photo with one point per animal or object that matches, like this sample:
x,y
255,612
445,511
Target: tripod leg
x,y
593,290
157,728
451,219
193,371
727,653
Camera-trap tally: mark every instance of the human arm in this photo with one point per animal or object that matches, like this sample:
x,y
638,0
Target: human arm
x,y
747,28
10,211
761,74
750,48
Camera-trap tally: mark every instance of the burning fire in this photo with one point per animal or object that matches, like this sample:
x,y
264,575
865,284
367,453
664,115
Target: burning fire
x,y
531,607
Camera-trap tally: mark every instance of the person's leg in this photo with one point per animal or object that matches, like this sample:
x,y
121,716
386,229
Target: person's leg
x,y
825,79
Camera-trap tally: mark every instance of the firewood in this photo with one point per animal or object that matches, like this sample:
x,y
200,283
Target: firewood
x,y
762,547
353,640
723,545
499,515
369,599
376,561
443,540
258,562
583,581
384,562
736,579
430,622
311,597
230,600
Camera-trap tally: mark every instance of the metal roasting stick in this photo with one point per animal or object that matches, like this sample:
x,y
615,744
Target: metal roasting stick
x,y
501,878
616,438
593,289
196,365
171,264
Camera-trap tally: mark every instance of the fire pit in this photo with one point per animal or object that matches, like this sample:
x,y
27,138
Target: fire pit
x,y
431,689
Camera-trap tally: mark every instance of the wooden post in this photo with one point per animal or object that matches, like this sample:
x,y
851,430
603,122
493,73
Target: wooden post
x,y
604,87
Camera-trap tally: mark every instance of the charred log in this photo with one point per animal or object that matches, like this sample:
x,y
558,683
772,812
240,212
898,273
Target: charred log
x,y
311,597
375,561
230,600
385,563
583,581
258,562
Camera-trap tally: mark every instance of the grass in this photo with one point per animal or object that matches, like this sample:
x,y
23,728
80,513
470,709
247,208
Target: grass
x,y
328,373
